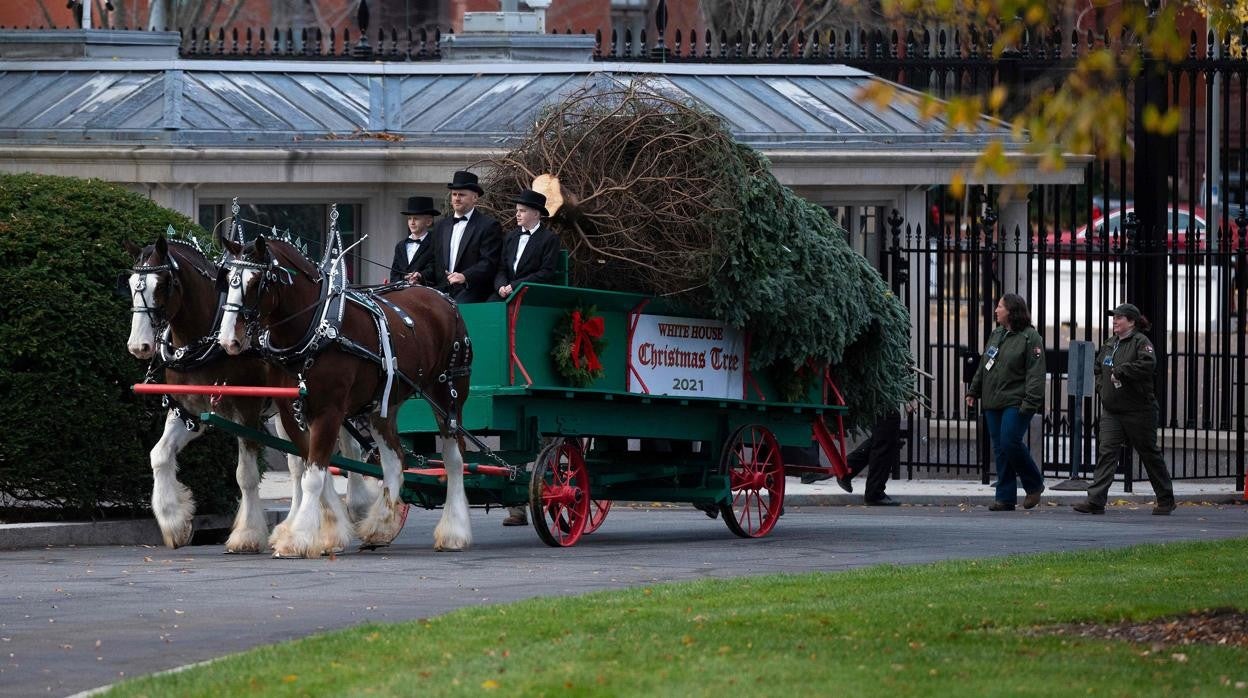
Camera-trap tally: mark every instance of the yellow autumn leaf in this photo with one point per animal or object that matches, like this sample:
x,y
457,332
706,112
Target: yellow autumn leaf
x,y
1170,121
1157,122
290,678
882,94
929,107
489,684
996,98
957,183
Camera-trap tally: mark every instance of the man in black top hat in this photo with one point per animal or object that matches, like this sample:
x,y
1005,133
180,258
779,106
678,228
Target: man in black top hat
x,y
413,256
531,251
467,245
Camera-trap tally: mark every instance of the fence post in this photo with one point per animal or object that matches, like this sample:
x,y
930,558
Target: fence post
x,y
898,265
1079,385
1147,269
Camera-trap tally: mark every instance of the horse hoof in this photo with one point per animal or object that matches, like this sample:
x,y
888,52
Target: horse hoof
x,y
177,539
369,547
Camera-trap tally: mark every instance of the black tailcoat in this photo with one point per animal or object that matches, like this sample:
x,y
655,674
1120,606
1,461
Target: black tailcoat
x,y
539,263
478,256
421,262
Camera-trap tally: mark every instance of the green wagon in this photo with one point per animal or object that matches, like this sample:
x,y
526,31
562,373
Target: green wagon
x,y
638,432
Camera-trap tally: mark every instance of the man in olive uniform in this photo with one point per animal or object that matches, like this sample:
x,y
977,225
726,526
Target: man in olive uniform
x,y
1124,371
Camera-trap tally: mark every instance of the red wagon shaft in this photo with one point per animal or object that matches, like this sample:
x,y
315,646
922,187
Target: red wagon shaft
x,y
230,390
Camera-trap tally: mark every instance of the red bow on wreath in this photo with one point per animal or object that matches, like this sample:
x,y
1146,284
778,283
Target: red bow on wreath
x,y
584,332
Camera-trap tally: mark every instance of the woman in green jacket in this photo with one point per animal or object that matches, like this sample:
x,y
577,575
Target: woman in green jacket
x,y
1010,383
1124,369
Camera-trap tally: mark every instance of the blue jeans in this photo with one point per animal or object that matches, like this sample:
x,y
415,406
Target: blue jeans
x,y
1014,462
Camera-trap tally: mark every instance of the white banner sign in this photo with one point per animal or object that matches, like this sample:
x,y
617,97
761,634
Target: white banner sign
x,y
686,356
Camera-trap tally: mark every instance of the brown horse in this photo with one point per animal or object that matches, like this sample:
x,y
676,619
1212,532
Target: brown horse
x,y
337,342
174,307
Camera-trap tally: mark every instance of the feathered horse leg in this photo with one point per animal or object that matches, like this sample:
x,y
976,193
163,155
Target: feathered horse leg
x,y
388,513
454,529
172,502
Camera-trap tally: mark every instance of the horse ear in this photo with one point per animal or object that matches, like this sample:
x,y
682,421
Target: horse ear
x,y
162,246
235,248
262,248
132,249
223,280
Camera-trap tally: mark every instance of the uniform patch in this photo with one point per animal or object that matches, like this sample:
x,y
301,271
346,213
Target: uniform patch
x,y
1036,352
1148,348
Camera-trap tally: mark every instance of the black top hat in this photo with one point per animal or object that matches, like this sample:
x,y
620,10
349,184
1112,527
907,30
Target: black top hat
x,y
465,180
419,206
532,199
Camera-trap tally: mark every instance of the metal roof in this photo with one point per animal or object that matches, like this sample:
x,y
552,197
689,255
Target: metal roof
x,y
268,103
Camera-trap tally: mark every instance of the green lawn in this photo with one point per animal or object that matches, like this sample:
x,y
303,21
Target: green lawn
x,y
948,629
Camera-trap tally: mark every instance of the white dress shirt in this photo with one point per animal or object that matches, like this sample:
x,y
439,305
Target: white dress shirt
x,y
457,234
524,242
414,244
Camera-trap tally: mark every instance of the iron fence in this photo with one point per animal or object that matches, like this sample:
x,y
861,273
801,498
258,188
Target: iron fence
x,y
952,273
1179,254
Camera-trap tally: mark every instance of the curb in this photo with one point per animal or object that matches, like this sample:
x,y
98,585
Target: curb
x,y
209,529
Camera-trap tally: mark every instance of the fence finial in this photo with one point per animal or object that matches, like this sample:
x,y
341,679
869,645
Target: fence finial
x,y
362,49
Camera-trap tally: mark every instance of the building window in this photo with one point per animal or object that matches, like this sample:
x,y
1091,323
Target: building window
x,y
308,222
864,229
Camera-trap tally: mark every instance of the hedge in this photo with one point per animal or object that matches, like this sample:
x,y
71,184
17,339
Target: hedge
x,y
74,440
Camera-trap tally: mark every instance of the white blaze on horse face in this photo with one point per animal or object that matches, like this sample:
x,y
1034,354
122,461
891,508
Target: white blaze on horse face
x,y
142,341
232,336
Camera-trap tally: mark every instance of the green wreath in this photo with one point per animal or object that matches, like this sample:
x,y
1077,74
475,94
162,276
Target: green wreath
x,y
578,343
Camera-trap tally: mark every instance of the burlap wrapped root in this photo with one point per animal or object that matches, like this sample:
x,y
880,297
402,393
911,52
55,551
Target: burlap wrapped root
x,y
659,199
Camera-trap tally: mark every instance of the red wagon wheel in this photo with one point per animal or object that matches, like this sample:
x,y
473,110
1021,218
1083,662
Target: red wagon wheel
x,y
751,459
559,494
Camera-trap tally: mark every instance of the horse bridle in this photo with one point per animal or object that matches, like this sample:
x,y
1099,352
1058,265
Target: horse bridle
x,y
155,314
250,314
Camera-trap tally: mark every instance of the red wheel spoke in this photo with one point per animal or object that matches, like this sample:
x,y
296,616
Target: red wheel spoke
x,y
598,509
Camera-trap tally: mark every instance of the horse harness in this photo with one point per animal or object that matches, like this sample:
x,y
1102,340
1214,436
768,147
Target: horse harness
x,y
326,330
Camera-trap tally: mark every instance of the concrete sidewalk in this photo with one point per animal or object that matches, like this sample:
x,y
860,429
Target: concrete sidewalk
x,y
275,490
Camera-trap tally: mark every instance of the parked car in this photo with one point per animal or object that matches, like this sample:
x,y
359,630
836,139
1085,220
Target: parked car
x,y
1110,231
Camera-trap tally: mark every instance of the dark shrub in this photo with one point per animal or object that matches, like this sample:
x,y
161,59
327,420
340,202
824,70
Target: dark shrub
x,y
74,440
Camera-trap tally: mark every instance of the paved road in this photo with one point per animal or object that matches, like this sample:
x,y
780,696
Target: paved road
x,y
77,618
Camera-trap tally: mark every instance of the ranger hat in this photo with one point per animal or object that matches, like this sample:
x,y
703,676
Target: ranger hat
x,y
1128,311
